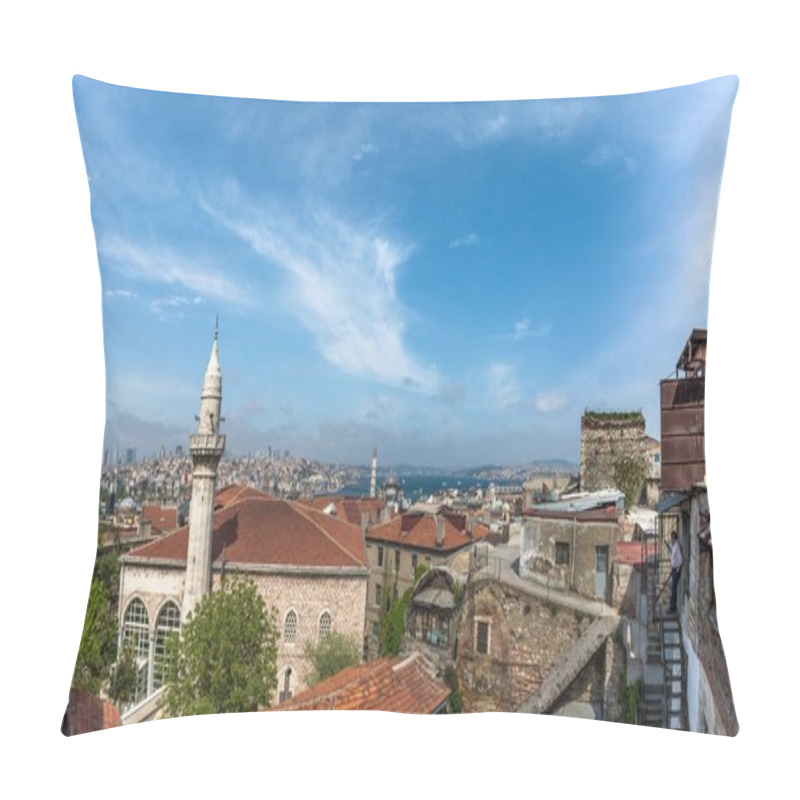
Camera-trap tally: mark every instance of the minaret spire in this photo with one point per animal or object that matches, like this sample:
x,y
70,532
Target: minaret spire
x,y
373,484
206,448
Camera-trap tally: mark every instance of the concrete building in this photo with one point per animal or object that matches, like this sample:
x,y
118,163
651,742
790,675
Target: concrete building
x,y
571,545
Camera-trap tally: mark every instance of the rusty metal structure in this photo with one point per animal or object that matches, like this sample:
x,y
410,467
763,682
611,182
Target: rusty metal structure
x,y
683,458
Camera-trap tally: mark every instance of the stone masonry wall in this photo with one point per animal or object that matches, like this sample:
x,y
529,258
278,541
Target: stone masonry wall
x,y
344,598
527,639
604,439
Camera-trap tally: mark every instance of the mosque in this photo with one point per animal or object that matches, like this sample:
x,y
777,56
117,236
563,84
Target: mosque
x,y
310,567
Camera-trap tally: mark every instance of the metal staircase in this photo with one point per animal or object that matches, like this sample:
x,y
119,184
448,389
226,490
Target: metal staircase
x,y
662,703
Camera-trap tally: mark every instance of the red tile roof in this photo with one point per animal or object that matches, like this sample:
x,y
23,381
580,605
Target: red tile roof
x,y
86,713
162,519
264,530
349,508
234,493
404,684
418,530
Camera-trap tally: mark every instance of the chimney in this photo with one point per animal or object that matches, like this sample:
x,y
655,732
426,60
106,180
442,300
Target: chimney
x,y
364,521
439,530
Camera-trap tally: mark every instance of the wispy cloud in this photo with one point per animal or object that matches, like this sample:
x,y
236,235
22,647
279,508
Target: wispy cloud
x,y
342,287
606,155
502,387
163,265
119,294
463,241
548,402
366,149
173,306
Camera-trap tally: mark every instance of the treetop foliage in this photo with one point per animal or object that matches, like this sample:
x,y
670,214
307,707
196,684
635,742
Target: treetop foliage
x,y
225,659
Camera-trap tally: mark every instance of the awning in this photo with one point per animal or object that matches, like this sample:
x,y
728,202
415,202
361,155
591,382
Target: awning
x,y
435,598
669,501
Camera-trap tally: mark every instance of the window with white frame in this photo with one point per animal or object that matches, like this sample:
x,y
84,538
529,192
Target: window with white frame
x,y
290,627
169,621
136,633
325,625
136,628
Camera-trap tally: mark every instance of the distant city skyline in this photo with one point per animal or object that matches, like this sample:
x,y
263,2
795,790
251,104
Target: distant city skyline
x,y
452,283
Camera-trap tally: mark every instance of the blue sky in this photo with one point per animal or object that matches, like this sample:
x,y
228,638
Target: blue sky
x,y
454,283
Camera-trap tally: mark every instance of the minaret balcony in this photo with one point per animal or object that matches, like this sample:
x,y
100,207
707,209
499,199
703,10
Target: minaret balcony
x,y
206,444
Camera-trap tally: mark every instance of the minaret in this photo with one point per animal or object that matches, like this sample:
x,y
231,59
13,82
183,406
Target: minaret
x,y
373,484
206,448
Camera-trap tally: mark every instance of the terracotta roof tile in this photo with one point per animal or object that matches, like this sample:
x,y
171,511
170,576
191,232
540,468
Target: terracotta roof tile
x,y
162,519
349,508
234,493
404,684
86,713
419,530
263,530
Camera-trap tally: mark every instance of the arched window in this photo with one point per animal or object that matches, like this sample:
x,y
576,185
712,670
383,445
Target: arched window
x,y
290,628
169,620
136,628
325,625
286,692
136,633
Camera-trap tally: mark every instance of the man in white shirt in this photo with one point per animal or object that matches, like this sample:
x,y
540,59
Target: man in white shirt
x,y
676,561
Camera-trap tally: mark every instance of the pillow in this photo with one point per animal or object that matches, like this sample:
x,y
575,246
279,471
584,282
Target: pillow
x,y
460,461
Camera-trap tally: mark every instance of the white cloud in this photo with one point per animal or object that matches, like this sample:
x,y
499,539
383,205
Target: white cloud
x,y
503,389
162,265
171,307
605,155
521,329
364,150
341,288
125,294
462,241
547,402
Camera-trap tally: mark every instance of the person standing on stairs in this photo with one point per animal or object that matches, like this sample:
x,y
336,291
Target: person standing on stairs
x,y
676,561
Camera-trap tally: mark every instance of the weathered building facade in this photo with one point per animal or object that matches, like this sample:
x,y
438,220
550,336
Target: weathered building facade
x,y
398,548
611,443
513,644
572,550
684,508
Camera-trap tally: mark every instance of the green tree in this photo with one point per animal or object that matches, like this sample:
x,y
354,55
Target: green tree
x,y
225,659
124,676
97,649
629,476
394,614
456,702
331,655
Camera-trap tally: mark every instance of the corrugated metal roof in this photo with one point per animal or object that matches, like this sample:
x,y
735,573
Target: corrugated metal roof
x,y
582,503
669,501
